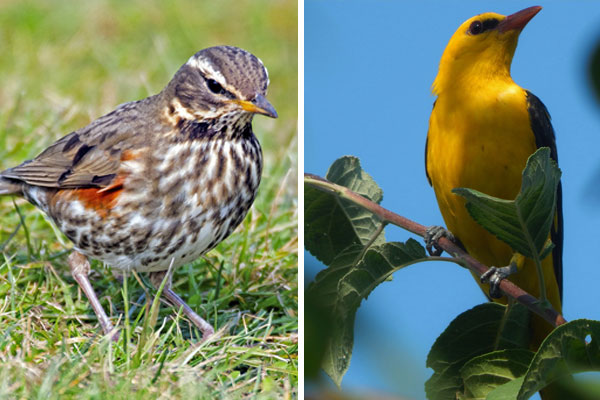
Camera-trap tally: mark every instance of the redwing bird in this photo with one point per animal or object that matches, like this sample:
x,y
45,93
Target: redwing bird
x,y
160,181
482,130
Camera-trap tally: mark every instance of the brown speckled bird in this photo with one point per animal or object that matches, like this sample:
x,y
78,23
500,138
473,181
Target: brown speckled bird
x,y
160,181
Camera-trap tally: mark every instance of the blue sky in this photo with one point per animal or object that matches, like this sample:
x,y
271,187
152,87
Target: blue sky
x,y
369,66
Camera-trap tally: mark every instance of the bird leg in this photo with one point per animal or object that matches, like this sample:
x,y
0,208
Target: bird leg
x,y
432,235
80,268
172,297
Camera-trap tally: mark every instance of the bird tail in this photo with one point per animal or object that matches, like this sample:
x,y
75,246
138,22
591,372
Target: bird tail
x,y
10,186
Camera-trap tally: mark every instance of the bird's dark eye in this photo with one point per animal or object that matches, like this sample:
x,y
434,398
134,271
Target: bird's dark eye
x,y
476,28
214,86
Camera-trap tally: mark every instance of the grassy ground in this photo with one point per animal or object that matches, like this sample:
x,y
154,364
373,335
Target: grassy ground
x,y
64,64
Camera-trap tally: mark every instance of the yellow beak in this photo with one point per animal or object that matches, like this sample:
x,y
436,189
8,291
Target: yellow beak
x,y
259,105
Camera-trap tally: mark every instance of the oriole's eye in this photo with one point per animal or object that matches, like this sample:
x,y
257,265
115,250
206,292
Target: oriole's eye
x,y
476,28
214,86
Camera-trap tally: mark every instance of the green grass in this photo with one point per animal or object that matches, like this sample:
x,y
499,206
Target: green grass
x,y
64,64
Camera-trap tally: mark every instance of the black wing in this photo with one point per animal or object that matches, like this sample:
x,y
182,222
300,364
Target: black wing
x,y
544,137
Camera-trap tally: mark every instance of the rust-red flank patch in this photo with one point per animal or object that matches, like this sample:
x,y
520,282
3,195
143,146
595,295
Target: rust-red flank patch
x,y
101,200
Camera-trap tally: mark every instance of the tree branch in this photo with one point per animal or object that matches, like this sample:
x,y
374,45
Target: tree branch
x,y
507,287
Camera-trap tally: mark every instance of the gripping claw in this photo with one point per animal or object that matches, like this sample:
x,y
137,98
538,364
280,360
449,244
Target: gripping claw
x,y
494,276
432,235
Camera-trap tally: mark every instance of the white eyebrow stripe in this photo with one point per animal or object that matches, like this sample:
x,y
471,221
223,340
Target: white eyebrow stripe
x,y
206,69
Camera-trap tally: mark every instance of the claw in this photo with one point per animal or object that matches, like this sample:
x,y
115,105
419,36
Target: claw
x,y
432,235
494,276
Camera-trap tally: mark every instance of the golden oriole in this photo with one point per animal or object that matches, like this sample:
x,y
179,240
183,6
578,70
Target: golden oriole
x,y
482,129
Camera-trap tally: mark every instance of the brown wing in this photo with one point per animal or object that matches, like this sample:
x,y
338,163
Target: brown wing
x,y
68,163
90,156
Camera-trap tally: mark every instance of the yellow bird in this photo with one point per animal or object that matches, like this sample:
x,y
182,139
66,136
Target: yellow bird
x,y
482,129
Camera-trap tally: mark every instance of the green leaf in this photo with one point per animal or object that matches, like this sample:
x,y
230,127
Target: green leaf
x,y
594,69
562,353
343,297
548,247
480,330
523,223
350,241
336,232
507,391
582,387
377,265
335,229
317,331
484,373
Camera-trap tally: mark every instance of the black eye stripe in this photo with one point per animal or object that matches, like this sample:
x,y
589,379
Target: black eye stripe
x,y
490,24
478,27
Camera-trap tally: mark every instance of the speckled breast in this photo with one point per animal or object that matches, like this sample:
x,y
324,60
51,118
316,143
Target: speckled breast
x,y
169,206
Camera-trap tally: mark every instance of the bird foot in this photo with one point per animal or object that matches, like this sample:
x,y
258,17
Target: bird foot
x,y
432,235
494,276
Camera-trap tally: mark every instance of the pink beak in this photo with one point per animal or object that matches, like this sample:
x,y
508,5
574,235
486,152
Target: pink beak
x,y
518,20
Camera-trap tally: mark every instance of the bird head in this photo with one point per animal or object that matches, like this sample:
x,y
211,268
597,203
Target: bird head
x,y
482,48
221,81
